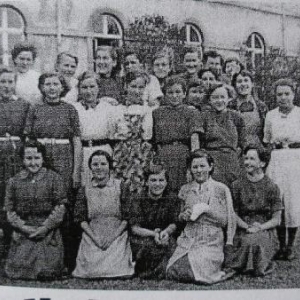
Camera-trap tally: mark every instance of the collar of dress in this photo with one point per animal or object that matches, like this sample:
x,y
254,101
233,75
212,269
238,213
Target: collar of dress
x,y
25,174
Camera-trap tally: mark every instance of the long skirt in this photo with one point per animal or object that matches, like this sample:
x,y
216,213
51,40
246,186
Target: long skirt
x,y
284,170
254,252
151,259
28,259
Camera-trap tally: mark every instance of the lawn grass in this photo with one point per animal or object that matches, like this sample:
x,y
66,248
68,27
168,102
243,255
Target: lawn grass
x,y
286,275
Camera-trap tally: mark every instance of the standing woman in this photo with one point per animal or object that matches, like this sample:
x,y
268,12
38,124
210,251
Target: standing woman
x,y
282,134
96,118
223,135
13,112
175,132
207,211
252,110
23,56
133,151
104,250
35,205
56,124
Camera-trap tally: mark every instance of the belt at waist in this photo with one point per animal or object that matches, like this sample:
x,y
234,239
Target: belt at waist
x,y
287,146
11,138
174,143
221,149
94,143
54,141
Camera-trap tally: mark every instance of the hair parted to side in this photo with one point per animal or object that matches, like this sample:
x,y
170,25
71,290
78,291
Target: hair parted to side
x,y
22,47
201,153
101,153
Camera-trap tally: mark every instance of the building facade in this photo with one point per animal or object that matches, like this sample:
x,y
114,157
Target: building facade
x,y
78,26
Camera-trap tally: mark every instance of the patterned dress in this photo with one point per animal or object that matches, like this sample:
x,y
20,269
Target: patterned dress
x,y
101,208
172,131
34,199
199,254
133,152
151,259
255,202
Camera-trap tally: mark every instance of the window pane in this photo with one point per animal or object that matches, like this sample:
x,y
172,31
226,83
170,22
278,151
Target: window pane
x,y
258,59
14,19
248,43
1,44
97,24
1,12
1,60
13,39
112,26
258,43
193,35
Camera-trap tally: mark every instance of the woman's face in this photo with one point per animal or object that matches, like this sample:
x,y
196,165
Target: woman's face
x,y
7,85
243,85
208,79
175,95
67,66
32,160
132,63
219,99
285,97
24,61
252,162
191,62
200,169
100,167
89,90
157,183
232,67
161,67
195,95
105,63
136,88
52,88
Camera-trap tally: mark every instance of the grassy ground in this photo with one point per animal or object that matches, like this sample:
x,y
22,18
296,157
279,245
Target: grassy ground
x,y
286,275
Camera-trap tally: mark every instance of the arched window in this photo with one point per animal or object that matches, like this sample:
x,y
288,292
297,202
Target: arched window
x,y
192,35
107,30
255,49
12,27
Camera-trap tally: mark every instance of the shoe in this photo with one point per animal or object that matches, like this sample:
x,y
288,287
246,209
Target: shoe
x,y
280,254
290,254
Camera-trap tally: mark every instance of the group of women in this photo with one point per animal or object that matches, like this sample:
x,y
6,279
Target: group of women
x,y
163,176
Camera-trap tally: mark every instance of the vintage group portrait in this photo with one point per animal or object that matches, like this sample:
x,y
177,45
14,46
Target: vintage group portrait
x,y
149,145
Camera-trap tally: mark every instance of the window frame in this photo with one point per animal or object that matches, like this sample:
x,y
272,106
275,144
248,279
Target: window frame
x,y
253,50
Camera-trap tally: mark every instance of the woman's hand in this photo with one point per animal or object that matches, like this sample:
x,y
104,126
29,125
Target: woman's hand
x,y
157,236
198,210
185,215
40,233
76,180
253,229
164,238
28,230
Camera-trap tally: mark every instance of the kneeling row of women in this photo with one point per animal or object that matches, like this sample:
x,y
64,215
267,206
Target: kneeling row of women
x,y
123,235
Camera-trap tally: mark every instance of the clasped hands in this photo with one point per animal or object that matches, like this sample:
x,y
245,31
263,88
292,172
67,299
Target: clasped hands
x,y
161,237
255,227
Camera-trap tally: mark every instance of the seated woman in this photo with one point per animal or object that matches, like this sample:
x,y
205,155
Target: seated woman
x,y
207,209
153,217
258,206
35,204
104,250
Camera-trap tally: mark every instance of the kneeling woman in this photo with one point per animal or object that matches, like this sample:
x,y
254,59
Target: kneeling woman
x,y
104,250
207,211
258,206
153,216
35,204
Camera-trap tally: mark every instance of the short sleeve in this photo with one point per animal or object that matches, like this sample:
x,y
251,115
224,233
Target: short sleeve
x,y
75,124
152,90
147,125
236,196
59,190
268,129
28,130
135,215
275,198
9,195
240,126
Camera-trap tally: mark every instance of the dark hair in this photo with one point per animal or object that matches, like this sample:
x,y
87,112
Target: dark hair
x,y
62,80
285,82
231,59
129,52
62,54
101,153
114,55
33,143
213,54
194,83
202,71
21,47
220,85
4,69
187,50
156,166
175,80
130,76
263,154
201,153
243,73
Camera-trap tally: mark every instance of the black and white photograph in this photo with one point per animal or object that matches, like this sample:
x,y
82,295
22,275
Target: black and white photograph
x,y
149,145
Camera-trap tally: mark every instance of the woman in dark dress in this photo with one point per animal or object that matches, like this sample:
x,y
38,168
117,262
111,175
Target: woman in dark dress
x,y
223,135
13,112
152,217
35,205
257,203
